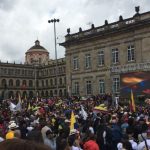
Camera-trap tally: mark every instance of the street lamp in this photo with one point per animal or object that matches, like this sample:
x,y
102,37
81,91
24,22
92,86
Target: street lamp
x,y
35,76
54,21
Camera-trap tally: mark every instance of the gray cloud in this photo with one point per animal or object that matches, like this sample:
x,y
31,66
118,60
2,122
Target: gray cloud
x,y
7,4
23,21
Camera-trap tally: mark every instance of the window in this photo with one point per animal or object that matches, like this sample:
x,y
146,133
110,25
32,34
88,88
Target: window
x,y
101,87
46,72
54,71
43,83
51,93
42,94
24,85
59,70
87,60
10,82
51,82
115,56
131,54
60,92
31,60
24,82
116,84
60,81
25,72
64,69
40,60
88,87
37,83
75,63
5,71
30,83
10,71
18,71
30,72
64,80
4,84
22,72
46,93
76,88
101,58
47,83
17,83
55,81
55,92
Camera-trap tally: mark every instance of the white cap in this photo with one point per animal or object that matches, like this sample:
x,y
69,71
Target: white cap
x,y
13,126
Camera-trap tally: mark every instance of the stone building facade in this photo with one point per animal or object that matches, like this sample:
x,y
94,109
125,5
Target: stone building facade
x,y
94,61
96,57
37,76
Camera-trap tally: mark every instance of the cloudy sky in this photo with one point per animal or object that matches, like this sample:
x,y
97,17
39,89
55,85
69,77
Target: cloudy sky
x,y
23,21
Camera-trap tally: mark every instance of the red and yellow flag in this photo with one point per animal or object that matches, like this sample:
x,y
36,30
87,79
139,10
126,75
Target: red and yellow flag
x,y
132,103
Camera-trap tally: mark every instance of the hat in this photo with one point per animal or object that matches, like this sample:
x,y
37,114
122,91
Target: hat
x,y
30,128
10,135
73,131
13,126
125,113
67,121
12,121
119,146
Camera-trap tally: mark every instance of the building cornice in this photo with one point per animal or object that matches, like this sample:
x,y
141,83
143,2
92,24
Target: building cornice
x,y
105,31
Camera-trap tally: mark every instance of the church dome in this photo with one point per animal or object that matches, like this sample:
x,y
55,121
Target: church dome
x,y
37,54
37,47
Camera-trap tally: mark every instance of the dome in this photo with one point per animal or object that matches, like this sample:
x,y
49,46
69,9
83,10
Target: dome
x,y
37,54
37,48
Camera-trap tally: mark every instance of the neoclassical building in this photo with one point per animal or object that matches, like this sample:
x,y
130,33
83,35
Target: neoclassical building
x,y
104,59
96,58
36,76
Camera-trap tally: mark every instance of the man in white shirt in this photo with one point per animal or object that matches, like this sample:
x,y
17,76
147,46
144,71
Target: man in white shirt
x,y
145,145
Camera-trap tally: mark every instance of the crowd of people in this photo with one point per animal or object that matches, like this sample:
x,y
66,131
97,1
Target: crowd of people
x,y
45,124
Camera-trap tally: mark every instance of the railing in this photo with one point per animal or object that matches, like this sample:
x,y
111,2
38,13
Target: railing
x,y
100,29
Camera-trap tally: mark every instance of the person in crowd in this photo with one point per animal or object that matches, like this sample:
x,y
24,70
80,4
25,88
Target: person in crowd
x,y
91,144
124,145
116,132
35,135
48,121
16,144
50,139
104,136
145,144
74,140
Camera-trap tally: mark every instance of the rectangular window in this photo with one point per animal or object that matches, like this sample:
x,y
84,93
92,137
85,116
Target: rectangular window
x,y
101,58
75,63
131,54
40,60
5,71
116,85
76,87
101,87
88,61
88,87
115,56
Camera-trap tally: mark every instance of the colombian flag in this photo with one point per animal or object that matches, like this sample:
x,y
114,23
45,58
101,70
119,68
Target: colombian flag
x,y
132,103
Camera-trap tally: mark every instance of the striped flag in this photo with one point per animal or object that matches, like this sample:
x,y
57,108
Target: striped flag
x,y
132,103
